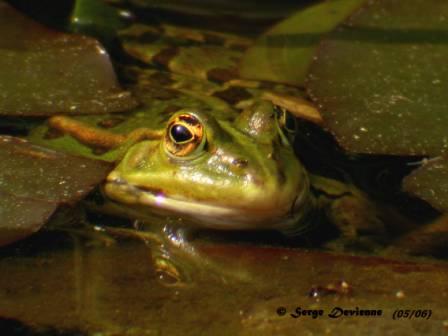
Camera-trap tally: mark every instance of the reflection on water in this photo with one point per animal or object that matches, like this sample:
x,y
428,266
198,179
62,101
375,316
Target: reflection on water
x,y
116,289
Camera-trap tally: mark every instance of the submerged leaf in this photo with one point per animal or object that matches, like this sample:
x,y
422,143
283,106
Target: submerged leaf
x,y
430,182
122,291
380,79
285,52
44,72
35,180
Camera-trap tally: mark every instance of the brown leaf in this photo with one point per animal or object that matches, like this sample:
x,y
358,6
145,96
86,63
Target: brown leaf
x,y
44,72
35,180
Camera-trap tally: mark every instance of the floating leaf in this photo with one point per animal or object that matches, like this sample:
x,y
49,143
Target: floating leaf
x,y
45,72
430,182
35,180
285,52
21,217
430,239
96,18
380,80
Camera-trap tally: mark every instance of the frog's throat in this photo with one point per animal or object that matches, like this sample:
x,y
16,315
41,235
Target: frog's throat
x,y
208,215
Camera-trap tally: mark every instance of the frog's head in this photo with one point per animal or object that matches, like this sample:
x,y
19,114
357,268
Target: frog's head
x,y
226,174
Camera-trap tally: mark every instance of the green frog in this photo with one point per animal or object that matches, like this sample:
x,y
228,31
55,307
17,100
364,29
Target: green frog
x,y
209,147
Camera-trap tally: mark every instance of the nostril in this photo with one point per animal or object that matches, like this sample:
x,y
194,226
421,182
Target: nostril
x,y
240,163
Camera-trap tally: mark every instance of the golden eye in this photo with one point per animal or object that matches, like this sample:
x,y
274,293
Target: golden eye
x,y
185,136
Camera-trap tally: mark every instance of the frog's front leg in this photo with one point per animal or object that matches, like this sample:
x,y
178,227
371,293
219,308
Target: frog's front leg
x,y
96,137
178,258
351,211
175,256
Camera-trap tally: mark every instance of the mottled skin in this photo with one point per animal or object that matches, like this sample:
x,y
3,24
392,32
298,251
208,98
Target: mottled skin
x,y
239,174
206,149
245,176
238,169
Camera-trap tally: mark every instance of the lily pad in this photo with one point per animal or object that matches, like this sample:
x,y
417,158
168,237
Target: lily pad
x,y
380,79
430,182
46,72
96,18
21,217
35,180
284,53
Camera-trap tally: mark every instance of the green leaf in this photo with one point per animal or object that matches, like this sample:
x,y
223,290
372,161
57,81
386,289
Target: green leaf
x,y
95,18
284,53
380,80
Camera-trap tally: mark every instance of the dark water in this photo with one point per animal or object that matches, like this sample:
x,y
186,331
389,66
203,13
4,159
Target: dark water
x,y
87,283
57,284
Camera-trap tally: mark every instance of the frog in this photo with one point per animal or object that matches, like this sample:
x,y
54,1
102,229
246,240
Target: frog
x,y
225,174
231,175
210,148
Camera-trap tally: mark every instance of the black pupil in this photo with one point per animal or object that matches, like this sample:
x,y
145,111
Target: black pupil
x,y
180,133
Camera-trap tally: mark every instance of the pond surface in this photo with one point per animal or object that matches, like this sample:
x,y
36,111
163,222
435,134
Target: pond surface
x,y
77,288
107,281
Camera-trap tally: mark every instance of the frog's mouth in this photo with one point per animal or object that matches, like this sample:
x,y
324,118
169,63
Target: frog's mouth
x,y
205,214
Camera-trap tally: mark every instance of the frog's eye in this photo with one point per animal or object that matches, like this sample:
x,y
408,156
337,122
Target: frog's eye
x,y
286,121
185,136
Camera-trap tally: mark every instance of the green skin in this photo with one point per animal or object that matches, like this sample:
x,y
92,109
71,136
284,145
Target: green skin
x,y
243,175
246,176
